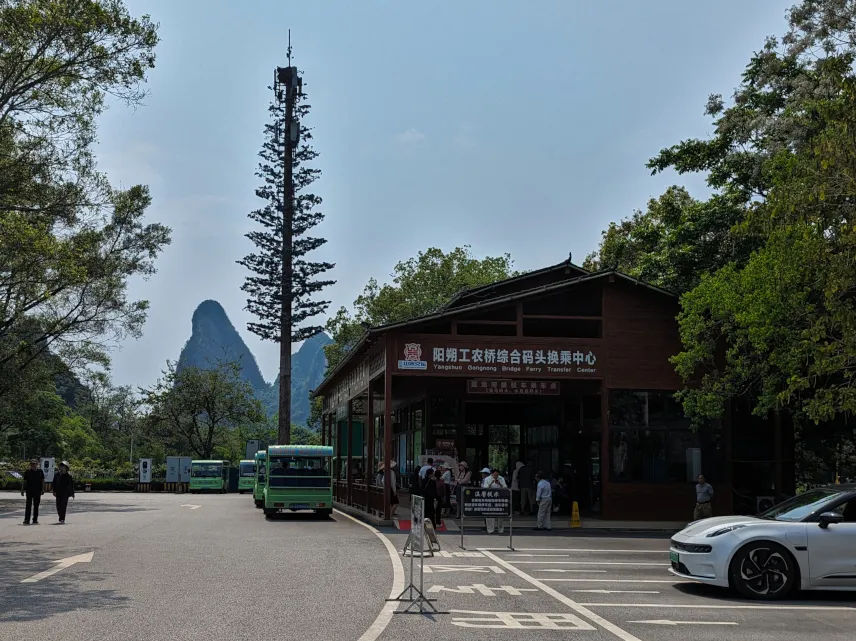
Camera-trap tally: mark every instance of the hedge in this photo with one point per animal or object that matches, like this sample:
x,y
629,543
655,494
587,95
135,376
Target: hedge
x,y
104,485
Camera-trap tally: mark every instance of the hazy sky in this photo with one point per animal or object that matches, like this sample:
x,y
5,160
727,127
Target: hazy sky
x,y
510,125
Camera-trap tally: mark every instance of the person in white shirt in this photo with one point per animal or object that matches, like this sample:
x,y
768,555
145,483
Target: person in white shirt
x,y
494,481
544,501
424,470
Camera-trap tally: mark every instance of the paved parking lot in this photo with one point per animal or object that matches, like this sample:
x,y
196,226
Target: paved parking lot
x,y
561,587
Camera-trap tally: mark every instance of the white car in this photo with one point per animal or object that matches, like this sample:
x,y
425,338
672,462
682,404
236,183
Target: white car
x,y
807,542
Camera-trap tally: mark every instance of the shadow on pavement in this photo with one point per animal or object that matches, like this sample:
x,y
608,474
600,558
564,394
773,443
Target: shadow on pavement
x,y
284,517
725,595
58,594
14,509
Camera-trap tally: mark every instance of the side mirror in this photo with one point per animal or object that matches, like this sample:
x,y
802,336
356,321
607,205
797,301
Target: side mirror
x,y
828,518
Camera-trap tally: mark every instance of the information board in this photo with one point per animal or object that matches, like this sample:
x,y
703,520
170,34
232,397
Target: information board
x,y
479,502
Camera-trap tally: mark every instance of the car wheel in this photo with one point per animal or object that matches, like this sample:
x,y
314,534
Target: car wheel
x,y
763,570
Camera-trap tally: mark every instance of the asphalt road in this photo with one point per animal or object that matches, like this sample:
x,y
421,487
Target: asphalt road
x,y
208,567
162,570
557,586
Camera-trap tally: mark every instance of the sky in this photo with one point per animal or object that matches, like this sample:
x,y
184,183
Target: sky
x,y
514,127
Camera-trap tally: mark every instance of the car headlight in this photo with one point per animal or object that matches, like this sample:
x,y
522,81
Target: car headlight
x,y
726,529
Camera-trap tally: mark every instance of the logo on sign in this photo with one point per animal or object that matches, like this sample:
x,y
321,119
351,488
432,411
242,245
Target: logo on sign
x,y
413,358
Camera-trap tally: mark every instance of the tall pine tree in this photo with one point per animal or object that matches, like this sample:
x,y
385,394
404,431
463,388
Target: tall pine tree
x,y
263,286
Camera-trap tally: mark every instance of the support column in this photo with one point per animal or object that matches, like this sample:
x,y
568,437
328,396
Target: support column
x,y
370,464
604,447
350,430
387,429
777,449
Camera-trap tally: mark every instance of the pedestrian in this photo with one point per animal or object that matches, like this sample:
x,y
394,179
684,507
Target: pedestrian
x,y
393,488
544,501
33,485
423,471
493,481
526,482
429,493
464,479
441,495
448,481
63,489
704,495
415,483
515,487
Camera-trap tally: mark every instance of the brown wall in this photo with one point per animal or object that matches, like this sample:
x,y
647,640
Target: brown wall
x,y
641,334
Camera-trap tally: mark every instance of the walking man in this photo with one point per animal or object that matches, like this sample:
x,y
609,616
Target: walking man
x,y
33,486
704,495
544,501
526,482
63,489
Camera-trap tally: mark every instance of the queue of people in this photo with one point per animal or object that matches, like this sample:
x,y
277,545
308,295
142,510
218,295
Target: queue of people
x,y
33,487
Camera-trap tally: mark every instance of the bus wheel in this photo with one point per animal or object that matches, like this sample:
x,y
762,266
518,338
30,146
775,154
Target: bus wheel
x,y
240,491
324,514
260,504
269,513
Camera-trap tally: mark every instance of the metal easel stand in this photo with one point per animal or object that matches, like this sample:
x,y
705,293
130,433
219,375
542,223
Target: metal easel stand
x,y
412,595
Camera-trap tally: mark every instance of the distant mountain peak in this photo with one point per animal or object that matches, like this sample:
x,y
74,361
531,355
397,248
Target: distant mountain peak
x,y
214,338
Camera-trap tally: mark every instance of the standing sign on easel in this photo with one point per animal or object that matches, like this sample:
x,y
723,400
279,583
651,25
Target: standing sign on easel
x,y
412,595
494,503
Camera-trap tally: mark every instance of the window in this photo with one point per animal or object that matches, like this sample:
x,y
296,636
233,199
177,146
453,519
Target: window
x,y
247,469
291,471
206,470
650,439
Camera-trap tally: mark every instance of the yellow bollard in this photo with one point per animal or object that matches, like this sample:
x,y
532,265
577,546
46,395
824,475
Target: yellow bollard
x,y
575,516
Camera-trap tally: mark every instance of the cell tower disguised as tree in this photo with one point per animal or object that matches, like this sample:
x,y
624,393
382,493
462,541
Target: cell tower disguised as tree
x,y
283,283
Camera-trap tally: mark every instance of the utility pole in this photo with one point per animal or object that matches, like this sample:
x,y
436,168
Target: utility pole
x,y
287,88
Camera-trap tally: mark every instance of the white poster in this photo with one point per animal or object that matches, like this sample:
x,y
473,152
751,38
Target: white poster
x,y
417,523
145,470
48,467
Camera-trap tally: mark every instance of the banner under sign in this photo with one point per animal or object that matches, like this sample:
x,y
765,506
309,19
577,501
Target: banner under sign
x,y
529,388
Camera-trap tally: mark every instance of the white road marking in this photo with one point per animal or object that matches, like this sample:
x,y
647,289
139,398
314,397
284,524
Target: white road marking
x,y
731,606
615,580
619,592
439,569
192,507
601,550
385,615
582,550
481,588
521,620
668,622
563,571
62,565
589,563
459,555
580,609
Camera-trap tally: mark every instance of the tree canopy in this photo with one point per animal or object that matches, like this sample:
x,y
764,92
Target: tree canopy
x,y
420,285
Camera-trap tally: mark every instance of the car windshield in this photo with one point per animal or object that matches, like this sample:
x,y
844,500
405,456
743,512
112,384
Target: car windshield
x,y
205,470
247,469
800,506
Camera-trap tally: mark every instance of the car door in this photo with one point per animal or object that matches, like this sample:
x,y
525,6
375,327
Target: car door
x,y
832,551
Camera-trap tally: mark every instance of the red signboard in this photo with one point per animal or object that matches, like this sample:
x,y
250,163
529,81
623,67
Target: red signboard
x,y
508,358
529,388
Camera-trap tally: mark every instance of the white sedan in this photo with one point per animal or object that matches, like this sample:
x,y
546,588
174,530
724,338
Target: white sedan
x,y
807,542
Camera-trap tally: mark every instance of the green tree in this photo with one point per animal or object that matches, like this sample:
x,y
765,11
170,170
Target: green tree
x,y
420,285
69,242
198,408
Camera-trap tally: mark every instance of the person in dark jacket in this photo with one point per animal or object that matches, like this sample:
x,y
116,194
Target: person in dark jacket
x,y
63,489
526,482
33,485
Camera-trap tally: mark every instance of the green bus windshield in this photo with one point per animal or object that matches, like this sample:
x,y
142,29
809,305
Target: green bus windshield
x,y
206,470
247,469
285,468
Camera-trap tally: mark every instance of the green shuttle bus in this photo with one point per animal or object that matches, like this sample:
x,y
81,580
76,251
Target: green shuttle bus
x,y
246,476
259,485
298,478
212,476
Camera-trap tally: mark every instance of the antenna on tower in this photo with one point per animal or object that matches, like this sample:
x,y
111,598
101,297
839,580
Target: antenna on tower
x,y
289,47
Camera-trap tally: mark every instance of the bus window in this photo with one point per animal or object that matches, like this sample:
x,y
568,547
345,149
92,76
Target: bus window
x,y
287,466
247,469
206,470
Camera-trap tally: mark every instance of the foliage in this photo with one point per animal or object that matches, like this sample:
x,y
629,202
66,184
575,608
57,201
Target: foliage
x,y
675,240
420,285
194,409
263,287
69,242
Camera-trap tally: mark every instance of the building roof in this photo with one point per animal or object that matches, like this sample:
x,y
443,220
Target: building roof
x,y
449,312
